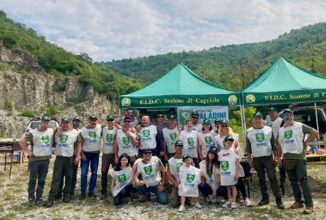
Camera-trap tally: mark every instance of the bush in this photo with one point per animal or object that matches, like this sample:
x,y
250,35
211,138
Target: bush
x,y
27,114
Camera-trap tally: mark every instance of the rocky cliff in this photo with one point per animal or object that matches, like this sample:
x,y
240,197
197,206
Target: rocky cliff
x,y
26,90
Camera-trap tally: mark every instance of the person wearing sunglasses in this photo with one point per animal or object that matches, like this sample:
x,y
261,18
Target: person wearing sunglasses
x,y
196,125
160,125
153,176
260,149
226,130
148,137
293,149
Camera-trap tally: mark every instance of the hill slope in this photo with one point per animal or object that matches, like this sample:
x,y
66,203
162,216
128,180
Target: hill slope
x,y
58,62
234,66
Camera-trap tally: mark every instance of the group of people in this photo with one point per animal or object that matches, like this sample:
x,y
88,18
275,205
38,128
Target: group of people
x,y
147,156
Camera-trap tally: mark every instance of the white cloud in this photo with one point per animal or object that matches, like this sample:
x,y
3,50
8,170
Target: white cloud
x,y
116,29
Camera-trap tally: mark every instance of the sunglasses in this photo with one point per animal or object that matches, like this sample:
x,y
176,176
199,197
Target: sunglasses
x,y
127,121
147,153
195,117
225,126
160,116
287,114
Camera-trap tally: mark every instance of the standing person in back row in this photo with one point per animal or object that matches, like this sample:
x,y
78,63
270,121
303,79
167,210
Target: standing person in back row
x,y
109,133
41,140
63,165
293,147
89,142
189,138
260,148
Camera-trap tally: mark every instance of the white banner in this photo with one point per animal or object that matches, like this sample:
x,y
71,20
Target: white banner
x,y
209,112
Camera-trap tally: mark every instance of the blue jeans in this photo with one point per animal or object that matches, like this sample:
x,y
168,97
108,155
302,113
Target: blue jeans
x,y
161,197
92,159
206,190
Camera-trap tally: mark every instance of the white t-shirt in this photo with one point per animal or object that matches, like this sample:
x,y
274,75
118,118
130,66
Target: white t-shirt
x,y
125,145
174,167
150,171
42,142
206,141
260,140
91,138
122,179
65,143
291,138
170,137
189,181
198,127
209,177
190,143
108,139
228,167
147,136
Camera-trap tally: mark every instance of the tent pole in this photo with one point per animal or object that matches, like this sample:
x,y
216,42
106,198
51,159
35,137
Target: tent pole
x,y
244,127
317,124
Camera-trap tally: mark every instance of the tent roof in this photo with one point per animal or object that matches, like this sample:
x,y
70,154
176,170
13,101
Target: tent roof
x,y
180,82
283,79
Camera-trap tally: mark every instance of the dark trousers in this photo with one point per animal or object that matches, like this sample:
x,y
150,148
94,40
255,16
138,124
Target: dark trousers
x,y
73,180
297,173
62,169
265,165
92,160
207,190
38,170
124,193
107,159
241,187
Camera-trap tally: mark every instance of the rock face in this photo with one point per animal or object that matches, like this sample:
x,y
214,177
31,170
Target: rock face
x,y
37,93
40,93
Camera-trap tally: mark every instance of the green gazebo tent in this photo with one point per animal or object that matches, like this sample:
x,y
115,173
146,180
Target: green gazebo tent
x,y
284,83
179,87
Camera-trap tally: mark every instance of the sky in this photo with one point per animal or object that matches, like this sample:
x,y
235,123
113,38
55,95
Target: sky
x,y
116,29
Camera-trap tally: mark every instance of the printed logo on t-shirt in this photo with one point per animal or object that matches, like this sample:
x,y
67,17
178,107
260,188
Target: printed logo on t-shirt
x,y
122,178
260,137
63,139
109,138
190,177
208,140
148,169
288,134
126,140
190,141
225,165
178,166
92,134
146,133
45,139
173,136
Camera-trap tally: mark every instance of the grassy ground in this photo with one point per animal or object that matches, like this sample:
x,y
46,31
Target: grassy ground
x,y
13,203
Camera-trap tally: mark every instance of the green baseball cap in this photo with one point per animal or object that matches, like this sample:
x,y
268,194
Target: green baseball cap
x,y
65,119
218,120
172,116
228,138
224,121
287,110
185,156
212,149
258,115
45,118
110,117
178,143
273,109
92,117
206,121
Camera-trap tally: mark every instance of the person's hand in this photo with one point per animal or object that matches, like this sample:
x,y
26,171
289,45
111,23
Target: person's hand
x,y
214,194
279,163
162,154
237,151
251,162
116,160
77,159
83,156
236,177
160,187
59,131
176,184
140,183
30,154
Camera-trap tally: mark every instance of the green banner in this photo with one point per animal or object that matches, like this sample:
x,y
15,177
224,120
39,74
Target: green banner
x,y
284,97
174,101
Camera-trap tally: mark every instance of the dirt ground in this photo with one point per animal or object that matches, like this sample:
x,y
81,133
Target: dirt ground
x,y
13,202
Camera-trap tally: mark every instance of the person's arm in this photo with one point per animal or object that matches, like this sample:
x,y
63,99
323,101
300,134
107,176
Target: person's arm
x,y
237,169
162,182
200,147
249,153
137,181
179,129
112,184
79,149
313,133
133,138
23,144
115,150
170,177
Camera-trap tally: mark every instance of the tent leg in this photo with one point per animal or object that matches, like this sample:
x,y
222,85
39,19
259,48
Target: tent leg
x,y
317,124
244,127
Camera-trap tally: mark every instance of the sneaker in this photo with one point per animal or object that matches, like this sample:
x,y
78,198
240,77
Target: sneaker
x,y
39,201
227,204
247,202
297,205
31,201
308,210
197,205
233,205
103,196
49,204
92,195
82,196
263,201
181,208
66,199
